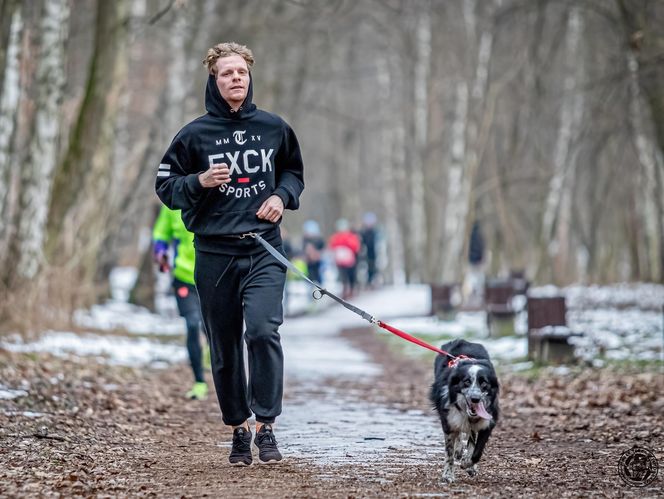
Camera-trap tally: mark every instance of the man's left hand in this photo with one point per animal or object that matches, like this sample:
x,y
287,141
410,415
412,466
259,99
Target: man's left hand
x,y
272,209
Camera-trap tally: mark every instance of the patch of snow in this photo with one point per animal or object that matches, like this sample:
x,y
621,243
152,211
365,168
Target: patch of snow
x,y
27,414
554,330
561,370
618,334
522,366
643,296
507,348
130,318
548,291
11,393
519,302
122,280
113,350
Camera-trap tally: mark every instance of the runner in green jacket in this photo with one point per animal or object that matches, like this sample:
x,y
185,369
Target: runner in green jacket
x,y
170,230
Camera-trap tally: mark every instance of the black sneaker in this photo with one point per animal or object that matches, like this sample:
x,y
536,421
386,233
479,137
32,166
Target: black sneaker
x,y
267,446
241,451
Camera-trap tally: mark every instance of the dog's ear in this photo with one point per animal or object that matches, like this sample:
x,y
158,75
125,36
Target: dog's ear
x,y
493,380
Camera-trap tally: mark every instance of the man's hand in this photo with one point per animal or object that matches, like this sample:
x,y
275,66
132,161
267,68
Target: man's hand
x,y
271,209
215,176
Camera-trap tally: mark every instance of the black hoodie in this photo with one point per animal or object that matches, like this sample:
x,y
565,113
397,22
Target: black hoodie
x,y
264,158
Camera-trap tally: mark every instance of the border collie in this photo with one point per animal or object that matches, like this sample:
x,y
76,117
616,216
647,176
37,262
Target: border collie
x,y
465,394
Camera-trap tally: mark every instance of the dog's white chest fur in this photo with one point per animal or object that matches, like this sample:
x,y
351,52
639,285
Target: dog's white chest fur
x,y
459,421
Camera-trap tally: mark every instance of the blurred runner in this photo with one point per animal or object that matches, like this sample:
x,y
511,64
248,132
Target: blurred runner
x,y
169,230
369,236
313,245
345,245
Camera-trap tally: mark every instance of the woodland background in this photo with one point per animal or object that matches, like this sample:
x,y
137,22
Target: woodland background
x,y
542,119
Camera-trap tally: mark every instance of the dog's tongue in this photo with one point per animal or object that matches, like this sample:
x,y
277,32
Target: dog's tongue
x,y
481,411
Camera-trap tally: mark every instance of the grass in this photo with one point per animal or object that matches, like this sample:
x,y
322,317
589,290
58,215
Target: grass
x,y
638,365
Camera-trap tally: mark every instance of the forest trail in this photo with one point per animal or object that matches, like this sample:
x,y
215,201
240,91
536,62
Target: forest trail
x,y
356,423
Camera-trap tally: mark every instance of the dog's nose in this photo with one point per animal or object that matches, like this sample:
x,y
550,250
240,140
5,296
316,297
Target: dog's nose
x,y
475,400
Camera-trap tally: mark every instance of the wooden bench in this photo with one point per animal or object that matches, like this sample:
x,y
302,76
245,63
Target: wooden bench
x,y
548,334
441,300
498,294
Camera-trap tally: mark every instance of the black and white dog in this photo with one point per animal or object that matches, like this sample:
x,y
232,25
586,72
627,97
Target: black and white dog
x,y
465,394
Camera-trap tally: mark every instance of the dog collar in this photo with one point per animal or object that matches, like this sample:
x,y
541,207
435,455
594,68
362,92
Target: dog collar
x,y
455,360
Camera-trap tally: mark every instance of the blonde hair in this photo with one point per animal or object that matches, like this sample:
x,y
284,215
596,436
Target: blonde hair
x,y
227,49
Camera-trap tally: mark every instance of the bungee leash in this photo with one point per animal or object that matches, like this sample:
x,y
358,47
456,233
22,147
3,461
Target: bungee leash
x,y
320,291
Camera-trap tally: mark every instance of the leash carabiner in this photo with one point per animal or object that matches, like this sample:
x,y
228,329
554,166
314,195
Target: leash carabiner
x,y
249,234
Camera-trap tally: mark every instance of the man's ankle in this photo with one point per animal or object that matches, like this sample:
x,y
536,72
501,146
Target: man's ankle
x,y
260,425
244,425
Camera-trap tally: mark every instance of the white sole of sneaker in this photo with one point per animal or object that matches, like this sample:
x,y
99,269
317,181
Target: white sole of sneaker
x,y
241,465
273,461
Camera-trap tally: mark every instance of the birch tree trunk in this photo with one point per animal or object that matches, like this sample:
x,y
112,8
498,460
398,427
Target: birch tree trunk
x,y
645,39
37,171
9,99
79,210
455,198
415,57
648,182
178,99
8,9
419,232
556,219
470,120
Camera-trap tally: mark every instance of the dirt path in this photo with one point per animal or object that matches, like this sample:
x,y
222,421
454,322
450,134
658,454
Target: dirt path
x,y
90,430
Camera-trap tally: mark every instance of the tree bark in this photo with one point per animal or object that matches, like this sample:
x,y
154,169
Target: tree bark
x,y
644,63
78,211
9,105
37,171
556,219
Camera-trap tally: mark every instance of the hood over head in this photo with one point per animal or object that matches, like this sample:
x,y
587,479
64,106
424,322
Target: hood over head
x,y
217,106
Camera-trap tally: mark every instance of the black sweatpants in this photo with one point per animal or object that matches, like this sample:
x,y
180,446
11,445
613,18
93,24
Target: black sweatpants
x,y
233,289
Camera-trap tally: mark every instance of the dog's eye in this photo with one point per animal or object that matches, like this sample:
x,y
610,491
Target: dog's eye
x,y
466,382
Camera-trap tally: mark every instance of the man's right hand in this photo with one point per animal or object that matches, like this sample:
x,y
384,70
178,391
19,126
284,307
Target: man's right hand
x,y
215,176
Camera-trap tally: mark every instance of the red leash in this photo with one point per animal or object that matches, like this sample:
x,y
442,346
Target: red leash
x,y
401,334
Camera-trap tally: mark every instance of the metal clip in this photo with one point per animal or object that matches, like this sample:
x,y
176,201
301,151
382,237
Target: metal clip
x,y
248,234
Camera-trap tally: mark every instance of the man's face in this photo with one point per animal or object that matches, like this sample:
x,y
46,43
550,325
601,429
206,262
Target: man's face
x,y
232,77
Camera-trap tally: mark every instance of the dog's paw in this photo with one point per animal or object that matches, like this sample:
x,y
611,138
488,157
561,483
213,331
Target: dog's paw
x,y
470,468
448,474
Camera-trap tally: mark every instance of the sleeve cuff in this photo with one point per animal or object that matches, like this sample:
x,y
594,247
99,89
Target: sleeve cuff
x,y
283,195
160,247
194,184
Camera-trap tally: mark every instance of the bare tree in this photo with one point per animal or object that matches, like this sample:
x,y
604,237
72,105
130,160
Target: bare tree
x,y
37,173
78,209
